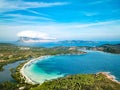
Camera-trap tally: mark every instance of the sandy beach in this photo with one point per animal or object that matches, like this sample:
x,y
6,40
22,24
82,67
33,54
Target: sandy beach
x,y
109,76
27,79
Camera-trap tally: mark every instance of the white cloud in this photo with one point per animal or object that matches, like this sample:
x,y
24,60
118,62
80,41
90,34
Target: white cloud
x,y
105,23
37,13
12,5
23,19
26,17
34,34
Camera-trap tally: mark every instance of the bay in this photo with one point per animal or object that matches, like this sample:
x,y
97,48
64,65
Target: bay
x,y
58,66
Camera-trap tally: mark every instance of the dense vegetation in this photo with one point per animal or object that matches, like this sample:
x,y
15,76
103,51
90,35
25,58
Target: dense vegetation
x,y
10,86
80,82
19,83
110,48
15,86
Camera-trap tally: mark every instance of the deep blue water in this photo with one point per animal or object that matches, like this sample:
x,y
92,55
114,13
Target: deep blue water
x,y
57,66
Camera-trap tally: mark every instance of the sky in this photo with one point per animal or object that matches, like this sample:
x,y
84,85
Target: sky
x,y
61,19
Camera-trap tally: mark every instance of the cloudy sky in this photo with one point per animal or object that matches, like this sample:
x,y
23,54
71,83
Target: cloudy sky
x,y
61,19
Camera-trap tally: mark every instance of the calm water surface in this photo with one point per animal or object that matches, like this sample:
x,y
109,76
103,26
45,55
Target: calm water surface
x,y
6,74
59,66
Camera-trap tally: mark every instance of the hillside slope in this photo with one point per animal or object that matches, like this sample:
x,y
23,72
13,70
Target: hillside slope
x,y
80,82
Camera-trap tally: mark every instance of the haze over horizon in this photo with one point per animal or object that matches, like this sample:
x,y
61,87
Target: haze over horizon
x,y
97,20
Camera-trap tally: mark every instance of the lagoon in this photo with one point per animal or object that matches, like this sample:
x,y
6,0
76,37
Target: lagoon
x,y
6,74
61,65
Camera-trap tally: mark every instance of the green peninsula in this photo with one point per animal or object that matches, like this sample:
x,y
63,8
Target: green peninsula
x,y
80,82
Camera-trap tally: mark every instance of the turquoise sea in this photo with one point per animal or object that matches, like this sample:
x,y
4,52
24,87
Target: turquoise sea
x,y
61,65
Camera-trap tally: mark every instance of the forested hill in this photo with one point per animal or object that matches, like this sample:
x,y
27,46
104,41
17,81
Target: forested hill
x,y
110,48
80,82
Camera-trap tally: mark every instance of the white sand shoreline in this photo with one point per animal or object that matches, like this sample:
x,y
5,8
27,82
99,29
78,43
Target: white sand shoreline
x,y
27,79
109,76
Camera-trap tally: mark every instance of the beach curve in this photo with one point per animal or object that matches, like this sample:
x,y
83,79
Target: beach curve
x,y
28,79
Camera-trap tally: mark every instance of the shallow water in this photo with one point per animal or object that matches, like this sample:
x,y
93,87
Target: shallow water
x,y
59,66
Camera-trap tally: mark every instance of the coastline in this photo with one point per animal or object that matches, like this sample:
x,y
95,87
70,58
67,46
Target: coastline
x,y
30,81
109,76
27,79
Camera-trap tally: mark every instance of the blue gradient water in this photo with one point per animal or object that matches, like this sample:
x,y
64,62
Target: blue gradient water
x,y
58,66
